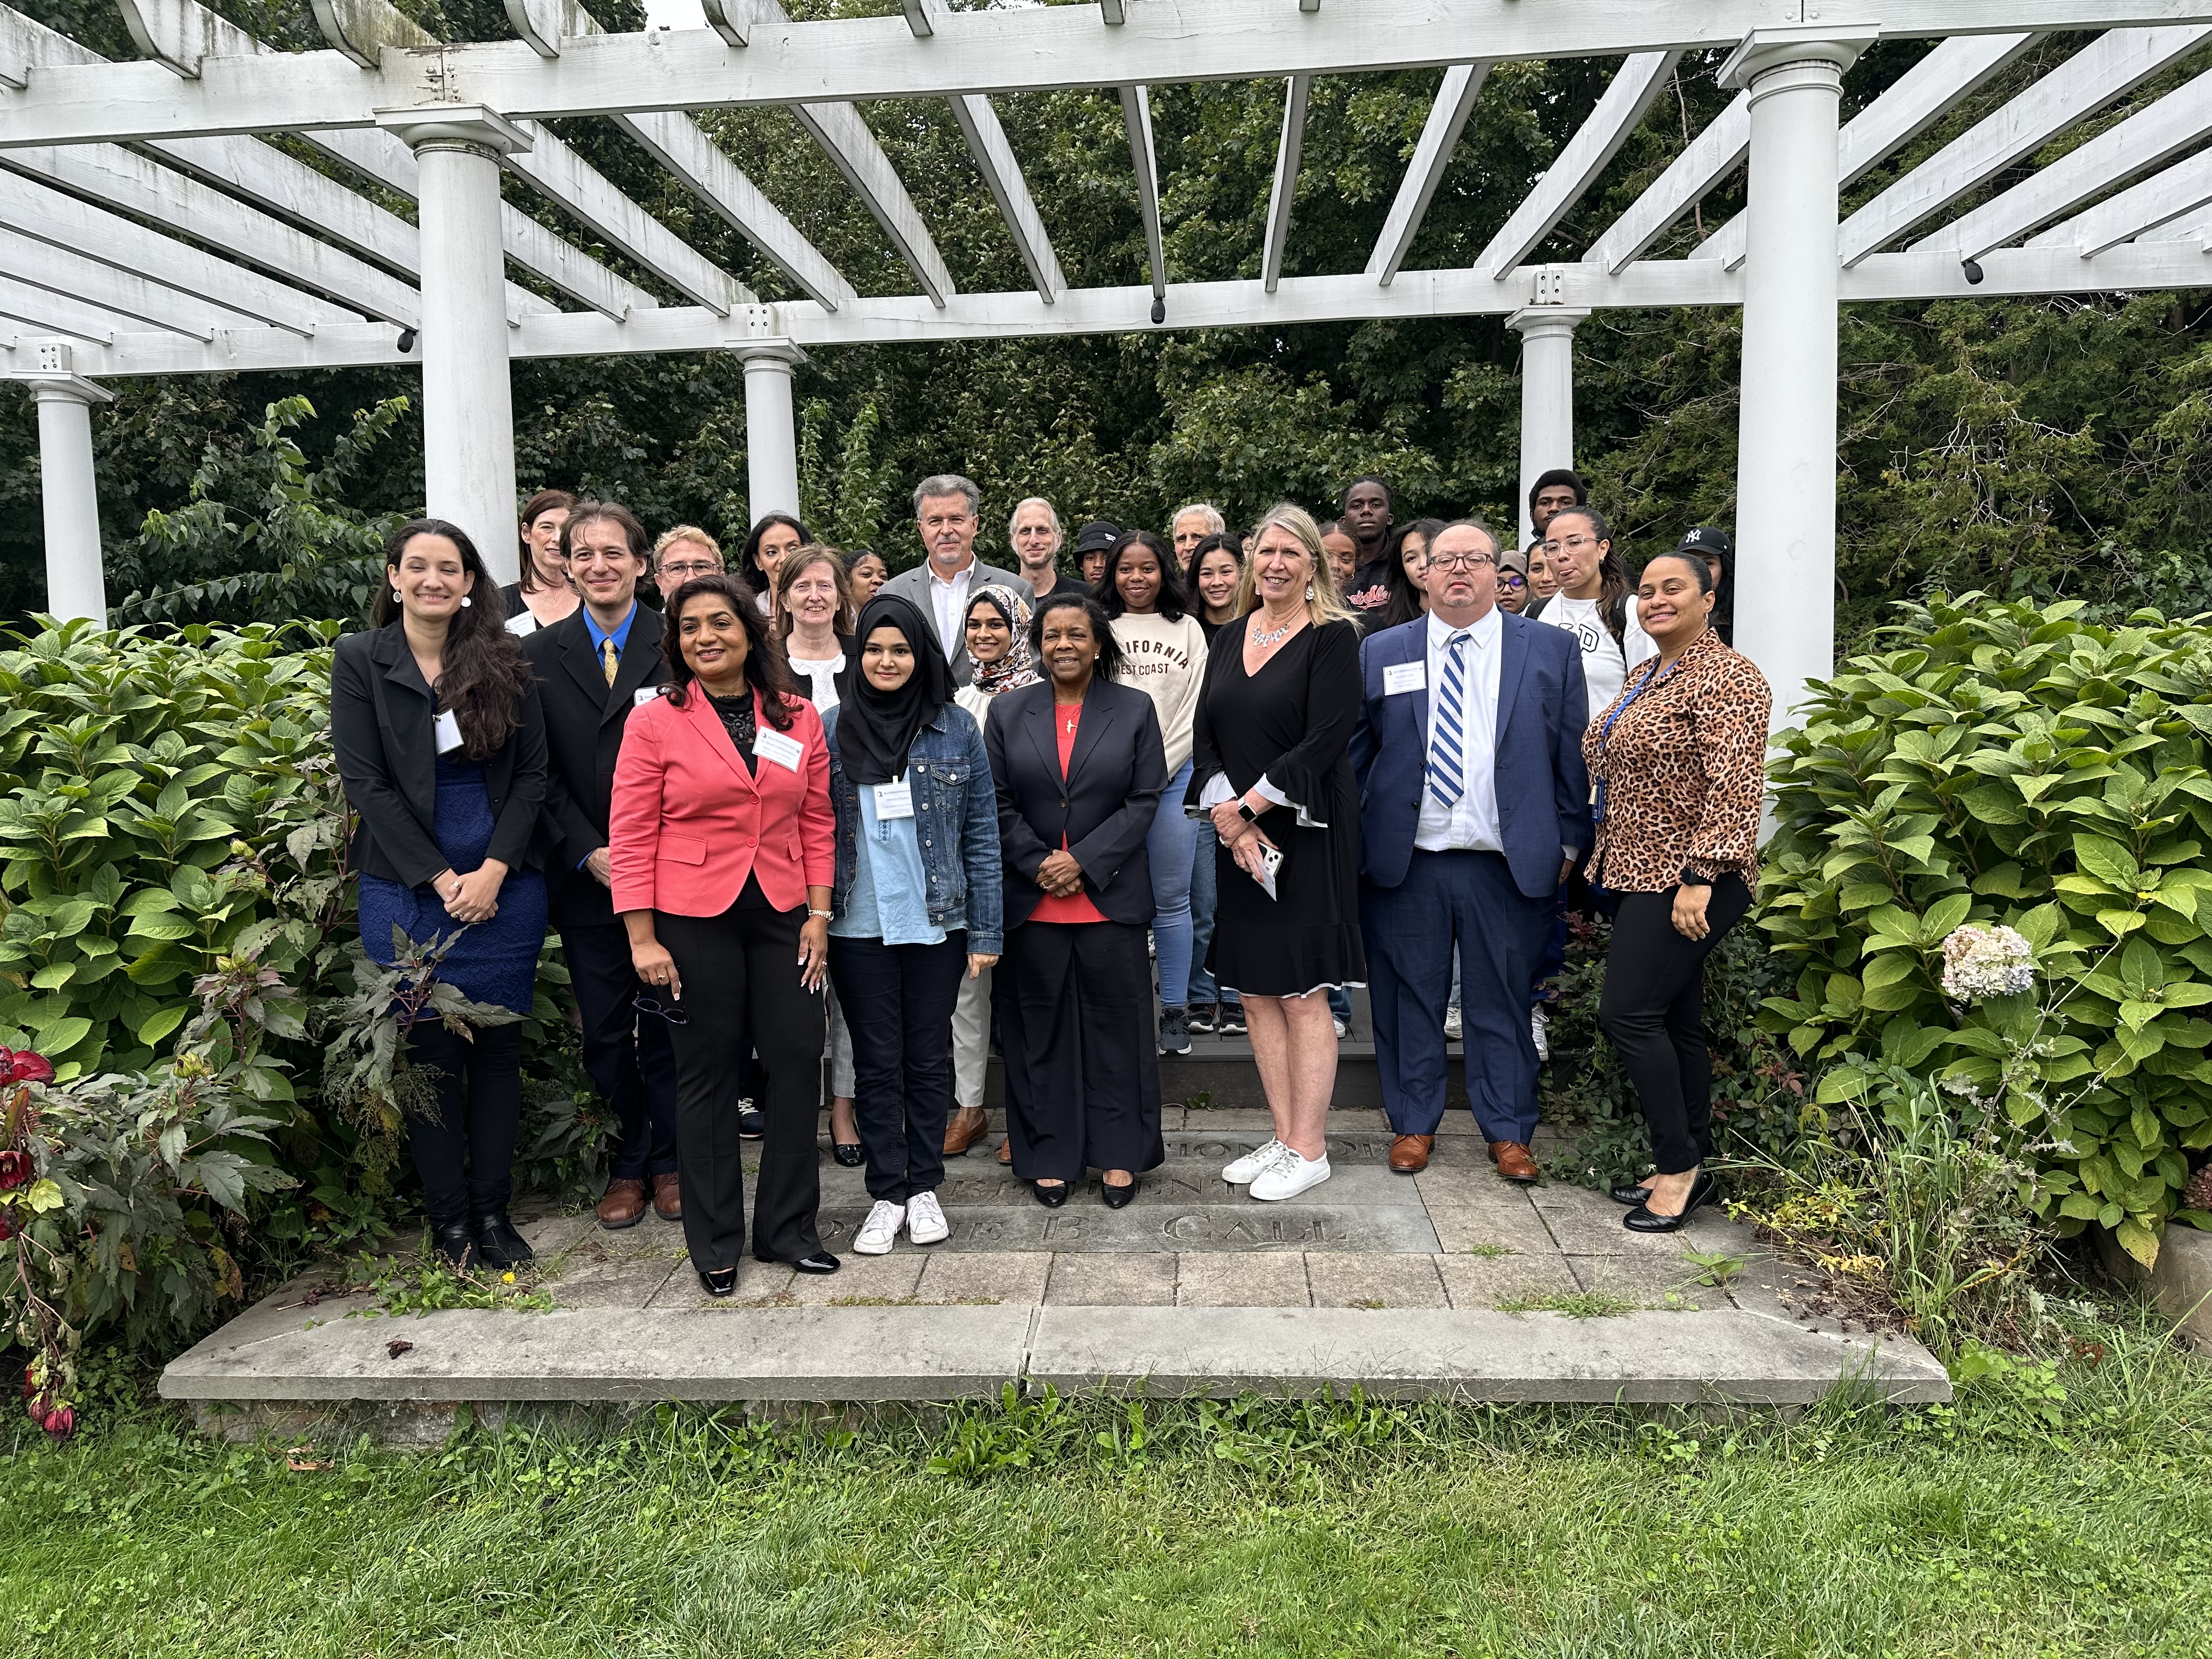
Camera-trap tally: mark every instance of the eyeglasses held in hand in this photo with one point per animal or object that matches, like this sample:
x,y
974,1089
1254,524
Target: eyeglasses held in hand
x,y
668,1012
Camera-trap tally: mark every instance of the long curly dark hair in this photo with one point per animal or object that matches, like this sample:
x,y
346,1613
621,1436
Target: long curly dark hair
x,y
483,679
1173,597
766,671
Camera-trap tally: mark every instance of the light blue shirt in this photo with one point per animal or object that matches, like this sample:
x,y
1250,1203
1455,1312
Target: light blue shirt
x,y
619,634
890,900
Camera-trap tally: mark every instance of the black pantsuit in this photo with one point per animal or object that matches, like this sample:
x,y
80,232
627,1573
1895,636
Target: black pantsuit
x,y
472,1121
737,968
898,1002
1082,996
1654,1009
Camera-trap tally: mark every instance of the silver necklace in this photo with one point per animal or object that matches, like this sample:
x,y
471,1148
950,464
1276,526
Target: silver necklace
x,y
1263,641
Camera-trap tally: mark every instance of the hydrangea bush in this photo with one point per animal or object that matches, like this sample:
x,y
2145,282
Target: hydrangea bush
x,y
1990,869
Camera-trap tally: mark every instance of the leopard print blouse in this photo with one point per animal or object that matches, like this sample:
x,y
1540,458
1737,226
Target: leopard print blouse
x,y
1684,770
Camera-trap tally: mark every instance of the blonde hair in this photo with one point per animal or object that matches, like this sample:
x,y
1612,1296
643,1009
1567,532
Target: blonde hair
x,y
796,563
684,533
1327,605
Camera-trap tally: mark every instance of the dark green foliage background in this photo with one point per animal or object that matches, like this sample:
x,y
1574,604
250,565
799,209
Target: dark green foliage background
x,y
2040,446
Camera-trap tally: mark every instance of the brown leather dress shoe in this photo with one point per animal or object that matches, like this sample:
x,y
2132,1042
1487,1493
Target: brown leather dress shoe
x,y
1007,1150
667,1198
1409,1154
967,1125
623,1205
1515,1160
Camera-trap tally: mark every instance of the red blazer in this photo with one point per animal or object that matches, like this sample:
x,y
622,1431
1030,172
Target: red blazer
x,y
689,823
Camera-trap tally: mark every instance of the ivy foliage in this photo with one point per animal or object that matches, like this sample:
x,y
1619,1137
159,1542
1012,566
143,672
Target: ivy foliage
x,y
2019,765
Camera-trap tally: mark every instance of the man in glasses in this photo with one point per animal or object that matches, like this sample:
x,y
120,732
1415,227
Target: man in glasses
x,y
681,554
592,669
1475,805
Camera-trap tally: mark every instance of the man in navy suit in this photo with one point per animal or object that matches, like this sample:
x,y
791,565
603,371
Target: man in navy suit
x,y
1475,804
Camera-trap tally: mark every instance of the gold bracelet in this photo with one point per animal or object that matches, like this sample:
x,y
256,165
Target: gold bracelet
x,y
826,915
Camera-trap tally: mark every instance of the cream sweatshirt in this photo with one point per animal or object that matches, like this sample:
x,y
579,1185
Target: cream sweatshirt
x,y
1166,660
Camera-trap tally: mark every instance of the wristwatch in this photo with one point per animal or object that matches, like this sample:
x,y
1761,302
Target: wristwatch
x,y
1244,812
1691,878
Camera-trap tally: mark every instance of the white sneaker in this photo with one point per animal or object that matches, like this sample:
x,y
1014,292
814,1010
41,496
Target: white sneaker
x,y
1288,1176
1536,1023
880,1230
1452,1026
924,1221
1342,1029
1253,1164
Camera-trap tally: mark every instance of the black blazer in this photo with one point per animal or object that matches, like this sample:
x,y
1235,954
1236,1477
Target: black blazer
x,y
382,716
585,718
1104,808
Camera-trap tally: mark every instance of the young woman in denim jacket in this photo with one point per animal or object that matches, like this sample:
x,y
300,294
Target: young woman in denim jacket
x,y
915,901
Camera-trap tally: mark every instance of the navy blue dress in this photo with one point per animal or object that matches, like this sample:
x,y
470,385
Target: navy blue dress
x,y
495,961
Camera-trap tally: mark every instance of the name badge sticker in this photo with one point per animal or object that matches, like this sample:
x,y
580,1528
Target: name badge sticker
x,y
448,730
1405,677
645,694
785,752
894,800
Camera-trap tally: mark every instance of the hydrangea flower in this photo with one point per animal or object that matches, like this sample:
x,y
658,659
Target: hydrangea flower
x,y
1981,961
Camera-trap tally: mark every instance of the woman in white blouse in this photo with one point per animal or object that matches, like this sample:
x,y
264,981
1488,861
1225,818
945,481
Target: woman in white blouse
x,y
1163,650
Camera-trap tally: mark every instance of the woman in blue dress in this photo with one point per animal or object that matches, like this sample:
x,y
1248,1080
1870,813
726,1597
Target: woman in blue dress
x,y
441,747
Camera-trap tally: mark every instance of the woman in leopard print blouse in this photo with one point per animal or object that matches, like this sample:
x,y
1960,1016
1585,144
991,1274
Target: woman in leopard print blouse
x,y
1679,759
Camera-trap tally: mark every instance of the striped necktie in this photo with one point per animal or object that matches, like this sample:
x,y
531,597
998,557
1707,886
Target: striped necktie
x,y
1447,726
609,658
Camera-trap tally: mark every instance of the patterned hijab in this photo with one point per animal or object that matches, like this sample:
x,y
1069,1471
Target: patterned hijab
x,y
1017,667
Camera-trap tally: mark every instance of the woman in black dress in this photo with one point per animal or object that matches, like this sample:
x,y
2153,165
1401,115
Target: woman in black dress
x,y
1282,695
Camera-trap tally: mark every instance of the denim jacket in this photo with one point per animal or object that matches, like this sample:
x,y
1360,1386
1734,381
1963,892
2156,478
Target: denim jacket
x,y
955,809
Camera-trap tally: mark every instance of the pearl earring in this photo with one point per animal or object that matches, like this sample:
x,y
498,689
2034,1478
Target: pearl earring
x,y
465,601
1310,592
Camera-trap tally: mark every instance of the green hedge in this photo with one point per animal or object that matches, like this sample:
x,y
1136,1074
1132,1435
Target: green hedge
x,y
2015,765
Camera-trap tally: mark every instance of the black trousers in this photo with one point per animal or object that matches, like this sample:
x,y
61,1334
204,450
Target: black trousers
x,y
740,969
1654,1010
898,1002
629,1056
463,1142
1077,997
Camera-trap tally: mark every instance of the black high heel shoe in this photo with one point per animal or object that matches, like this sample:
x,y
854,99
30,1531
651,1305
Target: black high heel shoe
x,y
1629,1193
1051,1197
1641,1219
1118,1198
721,1283
851,1156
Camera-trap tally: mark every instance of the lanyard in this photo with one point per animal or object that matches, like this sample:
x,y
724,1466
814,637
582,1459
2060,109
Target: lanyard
x,y
1652,676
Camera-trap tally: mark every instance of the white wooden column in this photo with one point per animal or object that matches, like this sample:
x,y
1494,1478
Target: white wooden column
x,y
1547,395
468,403
1785,527
77,581
771,431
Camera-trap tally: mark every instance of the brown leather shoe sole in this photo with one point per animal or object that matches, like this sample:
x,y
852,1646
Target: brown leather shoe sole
x,y
1409,1154
668,1198
1515,1162
622,1206
969,1124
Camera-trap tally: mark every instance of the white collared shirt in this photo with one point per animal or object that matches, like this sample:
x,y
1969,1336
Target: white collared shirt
x,y
948,600
1471,822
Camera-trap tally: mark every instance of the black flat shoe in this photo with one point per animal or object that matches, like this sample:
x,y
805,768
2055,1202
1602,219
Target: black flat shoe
x,y
852,1157
455,1243
752,1123
499,1245
1630,1194
720,1282
1051,1197
1117,1198
820,1263
1642,1220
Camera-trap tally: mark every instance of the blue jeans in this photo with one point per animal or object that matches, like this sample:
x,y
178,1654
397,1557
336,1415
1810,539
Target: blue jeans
x,y
1171,845
1205,894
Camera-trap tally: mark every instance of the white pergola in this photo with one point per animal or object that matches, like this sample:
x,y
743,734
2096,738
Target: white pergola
x,y
147,228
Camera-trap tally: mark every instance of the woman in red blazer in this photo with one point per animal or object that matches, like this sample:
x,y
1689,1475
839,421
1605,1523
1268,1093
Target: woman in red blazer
x,y
723,842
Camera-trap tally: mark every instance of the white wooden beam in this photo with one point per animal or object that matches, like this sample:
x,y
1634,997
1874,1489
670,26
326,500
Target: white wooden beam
x,y
996,51
2174,194
61,220
38,308
1915,101
1596,141
362,29
1718,150
112,177
2109,67
917,19
91,281
2145,140
1288,152
1002,174
1111,13
1143,163
1433,154
543,25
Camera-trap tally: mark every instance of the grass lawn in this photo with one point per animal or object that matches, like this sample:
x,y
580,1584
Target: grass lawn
x,y
2065,1513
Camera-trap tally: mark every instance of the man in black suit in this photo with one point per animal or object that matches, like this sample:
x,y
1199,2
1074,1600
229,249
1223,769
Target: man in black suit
x,y
592,669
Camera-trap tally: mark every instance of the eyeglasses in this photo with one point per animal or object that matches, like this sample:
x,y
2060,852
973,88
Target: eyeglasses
x,y
696,568
1510,579
1571,541
1459,560
668,1012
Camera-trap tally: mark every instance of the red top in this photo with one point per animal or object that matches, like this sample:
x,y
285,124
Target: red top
x,y
690,823
1051,908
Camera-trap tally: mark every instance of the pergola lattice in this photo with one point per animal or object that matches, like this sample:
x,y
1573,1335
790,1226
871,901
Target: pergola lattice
x,y
147,228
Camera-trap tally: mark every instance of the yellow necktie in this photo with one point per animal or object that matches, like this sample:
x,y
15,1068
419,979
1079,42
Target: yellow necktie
x,y
612,660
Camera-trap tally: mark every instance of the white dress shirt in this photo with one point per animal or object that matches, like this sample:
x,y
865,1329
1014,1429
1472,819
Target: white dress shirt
x,y
1471,822
948,600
